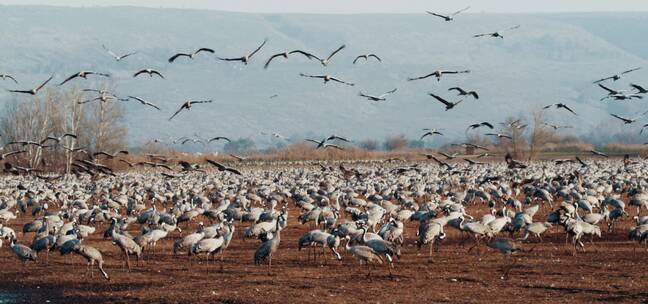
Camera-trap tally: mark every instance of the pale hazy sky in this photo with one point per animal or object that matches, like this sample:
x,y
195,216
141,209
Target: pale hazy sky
x,y
364,6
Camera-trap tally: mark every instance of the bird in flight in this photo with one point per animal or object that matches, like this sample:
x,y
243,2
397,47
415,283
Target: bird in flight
x,y
110,156
617,76
327,78
217,138
497,34
438,74
556,127
117,57
479,125
462,92
448,17
245,59
626,120
378,98
33,91
448,105
599,153
58,139
430,132
187,105
366,57
559,106
221,167
498,135
6,76
285,55
144,102
327,60
190,55
150,72
84,75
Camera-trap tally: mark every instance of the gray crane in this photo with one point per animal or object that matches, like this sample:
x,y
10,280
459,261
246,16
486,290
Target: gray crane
x,y
269,247
93,256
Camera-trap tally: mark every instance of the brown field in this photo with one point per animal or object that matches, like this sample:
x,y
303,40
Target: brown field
x,y
612,270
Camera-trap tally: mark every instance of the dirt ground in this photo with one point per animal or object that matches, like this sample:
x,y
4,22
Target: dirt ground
x,y
611,270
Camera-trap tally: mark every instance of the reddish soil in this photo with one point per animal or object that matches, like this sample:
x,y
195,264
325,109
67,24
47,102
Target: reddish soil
x,y
611,270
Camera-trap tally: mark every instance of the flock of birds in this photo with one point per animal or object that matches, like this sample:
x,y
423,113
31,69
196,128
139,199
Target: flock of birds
x,y
365,207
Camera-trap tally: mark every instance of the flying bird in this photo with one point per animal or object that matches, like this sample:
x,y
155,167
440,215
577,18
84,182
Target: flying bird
x,y
625,120
144,102
84,75
599,153
5,77
497,34
110,156
642,128
118,57
187,105
438,74
245,59
617,76
58,139
190,55
327,78
221,167
498,135
327,60
481,124
559,106
556,127
378,98
285,55
448,17
448,105
462,92
336,137
366,57
217,138
33,91
431,133
150,72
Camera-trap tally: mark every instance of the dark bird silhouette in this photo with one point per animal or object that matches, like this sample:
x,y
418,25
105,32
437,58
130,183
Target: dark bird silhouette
x,y
286,54
222,167
378,98
58,139
512,163
438,74
187,105
5,77
336,137
559,106
150,72
366,58
479,125
190,55
33,91
617,76
498,135
84,75
448,17
117,57
144,102
110,156
327,78
599,153
239,158
497,34
463,92
448,105
245,59
431,133
319,144
625,120
220,138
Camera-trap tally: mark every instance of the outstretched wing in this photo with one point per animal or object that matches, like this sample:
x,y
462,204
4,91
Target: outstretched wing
x,y
342,82
69,78
271,58
335,52
421,77
176,56
44,83
630,70
460,11
439,98
178,112
259,48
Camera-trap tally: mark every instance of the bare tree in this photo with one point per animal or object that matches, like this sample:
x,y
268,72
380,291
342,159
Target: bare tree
x,y
540,135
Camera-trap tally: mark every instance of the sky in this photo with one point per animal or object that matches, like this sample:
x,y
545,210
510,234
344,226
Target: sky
x,y
363,6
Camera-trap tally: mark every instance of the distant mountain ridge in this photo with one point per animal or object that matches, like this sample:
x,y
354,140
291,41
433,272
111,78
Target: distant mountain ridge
x,y
551,58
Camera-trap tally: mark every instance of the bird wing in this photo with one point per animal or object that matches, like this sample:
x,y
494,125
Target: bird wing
x,y
335,52
638,87
237,172
157,73
307,54
257,49
177,112
389,92
20,91
176,56
69,78
619,117
445,102
547,107
12,153
343,82
216,164
421,77
44,83
460,11
568,109
604,79
313,141
630,70
127,55
482,35
11,77
607,89
338,138
358,58
204,50
437,15
511,28
333,146
311,76
270,59
375,56
488,124
458,89
109,51
200,101
139,72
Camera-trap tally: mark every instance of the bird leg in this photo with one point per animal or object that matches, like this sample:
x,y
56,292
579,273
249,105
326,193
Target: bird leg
x,y
270,265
